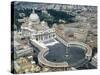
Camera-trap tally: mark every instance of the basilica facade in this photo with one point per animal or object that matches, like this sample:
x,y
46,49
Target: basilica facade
x,y
37,30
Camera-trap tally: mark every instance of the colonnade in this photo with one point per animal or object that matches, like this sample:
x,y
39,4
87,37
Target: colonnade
x,y
42,37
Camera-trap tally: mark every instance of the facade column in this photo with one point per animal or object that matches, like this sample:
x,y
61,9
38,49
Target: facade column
x,y
39,37
51,35
48,36
42,37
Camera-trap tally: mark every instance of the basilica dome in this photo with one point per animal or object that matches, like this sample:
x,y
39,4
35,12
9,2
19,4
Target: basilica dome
x,y
34,17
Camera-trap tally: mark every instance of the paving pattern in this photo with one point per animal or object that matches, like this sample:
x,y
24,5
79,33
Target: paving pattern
x,y
59,55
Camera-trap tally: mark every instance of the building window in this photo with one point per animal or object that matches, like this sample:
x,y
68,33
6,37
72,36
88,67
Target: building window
x,y
36,38
53,35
